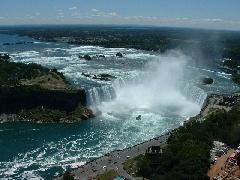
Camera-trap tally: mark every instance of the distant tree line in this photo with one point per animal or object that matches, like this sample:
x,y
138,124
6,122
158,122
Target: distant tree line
x,y
208,43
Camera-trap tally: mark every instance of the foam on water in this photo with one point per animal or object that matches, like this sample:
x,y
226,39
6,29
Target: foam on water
x,y
27,54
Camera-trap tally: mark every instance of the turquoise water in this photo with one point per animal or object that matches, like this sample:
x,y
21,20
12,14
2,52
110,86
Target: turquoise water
x,y
36,150
164,89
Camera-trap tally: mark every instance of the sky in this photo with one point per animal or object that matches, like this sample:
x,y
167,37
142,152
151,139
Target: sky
x,y
210,14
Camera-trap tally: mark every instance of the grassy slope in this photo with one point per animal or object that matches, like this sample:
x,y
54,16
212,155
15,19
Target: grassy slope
x,y
18,84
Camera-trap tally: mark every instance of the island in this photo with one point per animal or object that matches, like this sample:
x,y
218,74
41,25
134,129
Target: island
x,y
30,92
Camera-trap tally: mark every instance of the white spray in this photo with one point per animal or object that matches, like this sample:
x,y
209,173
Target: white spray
x,y
158,90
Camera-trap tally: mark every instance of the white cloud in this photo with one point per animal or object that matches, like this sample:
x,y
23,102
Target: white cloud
x,y
76,15
98,13
112,14
60,15
184,21
94,10
108,17
72,8
95,16
211,20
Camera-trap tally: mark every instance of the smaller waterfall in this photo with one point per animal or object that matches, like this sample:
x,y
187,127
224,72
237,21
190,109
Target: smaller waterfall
x,y
96,95
105,93
194,93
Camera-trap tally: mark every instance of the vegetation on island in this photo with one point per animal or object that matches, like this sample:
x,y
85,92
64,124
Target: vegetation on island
x,y
12,72
187,153
207,80
39,94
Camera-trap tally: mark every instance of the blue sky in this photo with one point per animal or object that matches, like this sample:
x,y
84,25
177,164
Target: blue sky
x,y
217,14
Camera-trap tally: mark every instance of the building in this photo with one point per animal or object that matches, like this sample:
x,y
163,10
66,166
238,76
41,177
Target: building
x,y
154,150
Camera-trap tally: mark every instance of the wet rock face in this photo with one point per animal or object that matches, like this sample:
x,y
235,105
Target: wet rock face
x,y
119,54
89,58
43,106
14,99
101,77
86,113
102,56
17,43
207,80
86,57
4,56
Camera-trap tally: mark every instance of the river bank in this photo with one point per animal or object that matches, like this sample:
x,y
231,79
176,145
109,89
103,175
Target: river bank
x,y
114,160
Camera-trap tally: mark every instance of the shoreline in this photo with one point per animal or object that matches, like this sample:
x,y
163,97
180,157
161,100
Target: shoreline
x,y
113,160
87,170
106,162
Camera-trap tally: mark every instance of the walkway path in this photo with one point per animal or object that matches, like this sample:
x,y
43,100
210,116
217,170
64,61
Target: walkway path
x,y
114,160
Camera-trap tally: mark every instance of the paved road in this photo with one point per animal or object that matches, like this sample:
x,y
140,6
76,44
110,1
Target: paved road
x,y
115,159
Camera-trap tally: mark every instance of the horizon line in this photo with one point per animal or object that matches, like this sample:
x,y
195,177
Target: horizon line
x,y
120,25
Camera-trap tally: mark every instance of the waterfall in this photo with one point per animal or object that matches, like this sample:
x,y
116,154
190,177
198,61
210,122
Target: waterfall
x,y
194,93
157,87
105,93
96,95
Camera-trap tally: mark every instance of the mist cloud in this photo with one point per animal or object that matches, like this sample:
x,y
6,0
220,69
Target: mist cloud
x,y
158,89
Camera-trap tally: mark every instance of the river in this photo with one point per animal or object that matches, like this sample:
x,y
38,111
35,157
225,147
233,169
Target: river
x,y
164,89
